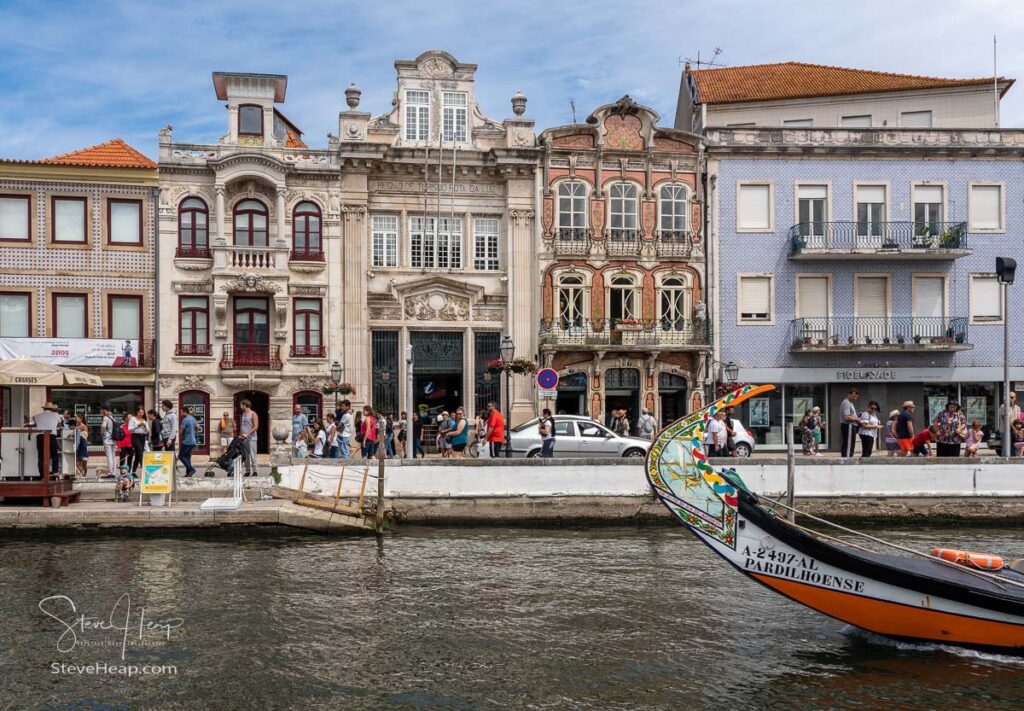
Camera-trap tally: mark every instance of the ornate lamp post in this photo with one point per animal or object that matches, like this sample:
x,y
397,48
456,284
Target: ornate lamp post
x,y
508,352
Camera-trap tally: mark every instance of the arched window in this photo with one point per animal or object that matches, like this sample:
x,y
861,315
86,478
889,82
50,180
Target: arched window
x,y
625,304
570,301
306,242
675,219
311,402
623,207
193,232
674,304
250,224
572,209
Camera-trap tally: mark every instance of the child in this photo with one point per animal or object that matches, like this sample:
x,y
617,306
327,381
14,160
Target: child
x,y
125,482
922,440
973,441
892,443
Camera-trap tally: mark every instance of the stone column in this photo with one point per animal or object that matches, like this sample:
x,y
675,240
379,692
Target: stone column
x,y
522,320
356,354
219,216
280,242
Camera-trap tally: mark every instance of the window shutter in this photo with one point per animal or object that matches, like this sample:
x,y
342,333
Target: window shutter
x,y
754,212
855,121
916,119
929,295
871,297
819,192
755,298
928,193
987,296
871,193
985,208
813,302
798,123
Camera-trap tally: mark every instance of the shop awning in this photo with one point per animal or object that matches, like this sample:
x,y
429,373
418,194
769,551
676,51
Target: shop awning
x,y
26,371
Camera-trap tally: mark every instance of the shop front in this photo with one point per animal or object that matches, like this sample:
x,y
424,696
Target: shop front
x,y
798,390
88,401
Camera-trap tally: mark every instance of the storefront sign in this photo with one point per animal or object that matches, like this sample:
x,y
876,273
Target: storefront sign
x,y
70,351
842,375
157,472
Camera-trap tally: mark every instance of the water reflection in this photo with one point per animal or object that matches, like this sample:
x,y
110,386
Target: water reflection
x,y
464,618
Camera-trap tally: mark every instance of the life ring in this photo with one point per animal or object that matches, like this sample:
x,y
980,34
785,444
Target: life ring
x,y
969,559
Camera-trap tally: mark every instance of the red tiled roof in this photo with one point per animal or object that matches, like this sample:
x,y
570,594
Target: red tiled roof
x,y
797,80
112,154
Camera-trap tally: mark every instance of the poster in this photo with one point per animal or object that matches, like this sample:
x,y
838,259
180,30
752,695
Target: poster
x,y
937,405
70,351
157,472
800,406
976,408
759,415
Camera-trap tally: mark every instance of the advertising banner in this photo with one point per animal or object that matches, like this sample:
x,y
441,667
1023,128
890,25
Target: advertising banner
x,y
73,351
157,472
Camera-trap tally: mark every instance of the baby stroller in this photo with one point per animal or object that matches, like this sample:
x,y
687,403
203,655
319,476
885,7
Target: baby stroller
x,y
124,485
236,449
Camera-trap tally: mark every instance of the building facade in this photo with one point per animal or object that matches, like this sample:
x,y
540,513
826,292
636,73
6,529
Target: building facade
x,y
77,254
864,259
439,235
623,318
250,260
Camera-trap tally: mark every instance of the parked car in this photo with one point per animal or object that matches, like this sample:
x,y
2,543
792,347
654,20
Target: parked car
x,y
743,439
577,436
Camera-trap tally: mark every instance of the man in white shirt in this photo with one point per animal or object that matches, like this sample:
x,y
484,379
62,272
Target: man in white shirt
x,y
49,420
345,427
716,435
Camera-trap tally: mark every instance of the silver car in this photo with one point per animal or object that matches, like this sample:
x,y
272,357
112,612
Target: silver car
x,y
577,436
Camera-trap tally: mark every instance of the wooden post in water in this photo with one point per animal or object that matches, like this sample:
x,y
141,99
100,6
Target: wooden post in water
x,y
790,473
379,523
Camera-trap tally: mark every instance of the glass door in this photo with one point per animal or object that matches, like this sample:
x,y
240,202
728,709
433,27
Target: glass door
x,y
252,331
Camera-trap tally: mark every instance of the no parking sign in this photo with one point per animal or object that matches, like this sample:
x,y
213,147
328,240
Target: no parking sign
x,y
547,381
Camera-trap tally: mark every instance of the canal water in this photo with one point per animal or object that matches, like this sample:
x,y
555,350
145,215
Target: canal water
x,y
466,618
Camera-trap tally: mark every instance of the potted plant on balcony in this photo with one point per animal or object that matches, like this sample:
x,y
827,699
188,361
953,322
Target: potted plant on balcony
x,y
900,338
627,324
924,236
869,340
917,338
849,340
952,237
960,337
835,339
886,340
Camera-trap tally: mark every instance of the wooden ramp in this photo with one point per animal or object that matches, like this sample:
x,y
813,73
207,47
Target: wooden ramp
x,y
333,489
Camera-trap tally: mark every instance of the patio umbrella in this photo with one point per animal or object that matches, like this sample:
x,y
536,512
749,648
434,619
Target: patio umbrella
x,y
26,371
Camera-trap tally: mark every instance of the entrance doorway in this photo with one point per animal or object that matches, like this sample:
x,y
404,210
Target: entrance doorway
x,y
261,406
622,392
438,371
672,391
572,395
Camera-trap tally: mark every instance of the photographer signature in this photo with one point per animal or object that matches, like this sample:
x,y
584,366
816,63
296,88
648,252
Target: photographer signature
x,y
62,609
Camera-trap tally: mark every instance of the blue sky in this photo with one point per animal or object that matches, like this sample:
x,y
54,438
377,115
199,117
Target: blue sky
x,y
73,74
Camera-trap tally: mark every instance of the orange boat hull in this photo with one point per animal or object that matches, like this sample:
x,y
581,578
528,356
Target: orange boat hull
x,y
896,620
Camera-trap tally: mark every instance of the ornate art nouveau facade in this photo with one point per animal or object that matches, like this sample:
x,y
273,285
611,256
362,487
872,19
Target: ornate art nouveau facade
x,y
250,254
622,257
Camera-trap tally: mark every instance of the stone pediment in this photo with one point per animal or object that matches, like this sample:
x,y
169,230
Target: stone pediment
x,y
437,299
438,284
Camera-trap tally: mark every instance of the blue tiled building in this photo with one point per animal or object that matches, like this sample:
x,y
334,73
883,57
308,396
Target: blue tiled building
x,y
865,257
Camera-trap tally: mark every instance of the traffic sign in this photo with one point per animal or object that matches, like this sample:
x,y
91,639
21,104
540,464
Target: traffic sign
x,y
547,379
547,393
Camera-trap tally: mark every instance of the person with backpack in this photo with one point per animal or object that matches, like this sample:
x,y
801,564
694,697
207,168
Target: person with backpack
x,y
547,434
107,429
646,426
620,423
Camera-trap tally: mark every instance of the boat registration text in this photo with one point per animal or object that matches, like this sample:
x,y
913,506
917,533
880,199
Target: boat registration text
x,y
796,567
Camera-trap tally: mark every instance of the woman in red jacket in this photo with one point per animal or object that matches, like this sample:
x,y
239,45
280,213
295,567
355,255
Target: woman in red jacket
x,y
125,451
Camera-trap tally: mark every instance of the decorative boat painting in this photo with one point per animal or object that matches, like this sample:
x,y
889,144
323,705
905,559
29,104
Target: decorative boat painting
x,y
951,597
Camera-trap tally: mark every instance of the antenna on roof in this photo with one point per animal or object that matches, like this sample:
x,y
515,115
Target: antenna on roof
x,y
699,63
995,83
572,105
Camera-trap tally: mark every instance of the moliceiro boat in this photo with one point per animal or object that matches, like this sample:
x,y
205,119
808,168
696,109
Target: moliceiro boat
x,y
950,597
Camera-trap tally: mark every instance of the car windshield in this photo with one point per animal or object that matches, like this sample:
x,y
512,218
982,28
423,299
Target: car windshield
x,y
525,425
592,429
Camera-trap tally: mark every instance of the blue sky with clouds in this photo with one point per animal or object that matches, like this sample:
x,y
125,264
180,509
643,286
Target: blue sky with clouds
x,y
73,74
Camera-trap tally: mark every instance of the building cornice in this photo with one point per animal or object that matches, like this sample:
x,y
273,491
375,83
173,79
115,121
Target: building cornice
x,y
79,174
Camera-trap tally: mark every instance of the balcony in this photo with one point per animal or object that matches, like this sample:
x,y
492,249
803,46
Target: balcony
x,y
306,255
251,356
193,253
665,333
674,244
308,352
892,333
571,242
193,349
623,243
888,241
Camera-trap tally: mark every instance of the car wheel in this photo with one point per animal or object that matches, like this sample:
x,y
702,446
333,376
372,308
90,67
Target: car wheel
x,y
634,453
533,454
743,450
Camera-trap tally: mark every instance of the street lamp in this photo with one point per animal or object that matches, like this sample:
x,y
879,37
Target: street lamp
x,y
508,352
335,372
1005,268
731,371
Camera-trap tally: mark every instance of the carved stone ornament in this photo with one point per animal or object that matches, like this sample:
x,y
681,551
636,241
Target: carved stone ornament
x,y
281,306
307,267
193,264
193,287
437,307
220,308
251,283
194,382
306,290
489,315
521,217
386,313
436,67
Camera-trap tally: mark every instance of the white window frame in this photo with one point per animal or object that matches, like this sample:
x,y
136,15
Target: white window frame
x,y
796,292
417,116
770,321
581,292
686,296
572,198
913,291
384,241
631,296
625,201
984,320
685,202
431,253
456,114
884,184
487,244
771,207
1001,229
814,239
929,184
888,292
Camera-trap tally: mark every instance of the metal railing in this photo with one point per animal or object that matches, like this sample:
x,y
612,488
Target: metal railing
x,y
193,349
664,332
571,242
878,236
894,332
622,243
251,355
674,243
193,253
308,351
306,255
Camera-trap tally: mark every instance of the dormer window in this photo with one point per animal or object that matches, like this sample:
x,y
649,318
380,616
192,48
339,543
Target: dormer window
x,y
417,115
250,120
454,116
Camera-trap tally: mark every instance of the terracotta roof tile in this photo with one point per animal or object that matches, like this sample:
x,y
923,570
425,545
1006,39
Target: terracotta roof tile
x,y
797,80
112,154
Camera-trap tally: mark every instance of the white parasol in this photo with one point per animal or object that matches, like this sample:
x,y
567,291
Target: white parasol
x,y
26,371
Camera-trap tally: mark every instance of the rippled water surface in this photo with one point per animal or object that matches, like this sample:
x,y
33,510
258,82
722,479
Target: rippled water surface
x,y
477,618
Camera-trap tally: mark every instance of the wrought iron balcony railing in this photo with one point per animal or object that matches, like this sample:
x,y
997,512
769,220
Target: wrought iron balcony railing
x,y
889,333
308,352
674,243
193,349
611,332
622,243
571,242
878,237
190,252
251,355
307,255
